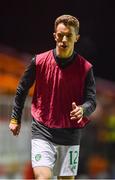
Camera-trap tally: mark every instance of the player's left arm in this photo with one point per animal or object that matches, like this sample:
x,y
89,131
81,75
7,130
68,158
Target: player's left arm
x,y
89,100
89,105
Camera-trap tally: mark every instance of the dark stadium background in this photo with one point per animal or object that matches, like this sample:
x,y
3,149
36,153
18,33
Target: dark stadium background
x,y
28,26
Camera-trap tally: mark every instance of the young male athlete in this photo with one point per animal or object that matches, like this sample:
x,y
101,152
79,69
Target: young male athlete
x,y
64,97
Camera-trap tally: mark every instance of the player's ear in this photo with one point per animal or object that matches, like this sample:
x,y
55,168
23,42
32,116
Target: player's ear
x,y
54,35
77,37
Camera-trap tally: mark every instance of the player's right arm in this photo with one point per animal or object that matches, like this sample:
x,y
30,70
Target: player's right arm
x,y
26,81
14,127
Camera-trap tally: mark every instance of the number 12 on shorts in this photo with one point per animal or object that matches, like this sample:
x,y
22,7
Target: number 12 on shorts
x,y
73,157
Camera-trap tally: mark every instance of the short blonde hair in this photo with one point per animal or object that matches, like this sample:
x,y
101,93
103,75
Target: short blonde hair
x,y
67,20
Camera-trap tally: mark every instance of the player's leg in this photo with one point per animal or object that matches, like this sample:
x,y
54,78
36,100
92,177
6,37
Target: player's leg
x,y
42,173
43,159
67,162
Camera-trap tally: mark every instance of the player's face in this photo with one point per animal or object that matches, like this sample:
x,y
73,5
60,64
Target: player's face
x,y
65,37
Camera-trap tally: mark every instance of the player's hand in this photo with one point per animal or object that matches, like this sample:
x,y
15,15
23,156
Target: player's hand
x,y
14,127
76,113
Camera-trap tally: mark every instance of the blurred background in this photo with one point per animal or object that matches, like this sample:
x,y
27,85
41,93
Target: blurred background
x,y
26,28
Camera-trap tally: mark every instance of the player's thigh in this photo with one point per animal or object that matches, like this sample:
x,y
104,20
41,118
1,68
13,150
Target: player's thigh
x,y
43,156
41,173
67,161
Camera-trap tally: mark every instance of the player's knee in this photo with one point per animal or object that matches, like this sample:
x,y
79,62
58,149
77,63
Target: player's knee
x,y
42,173
40,176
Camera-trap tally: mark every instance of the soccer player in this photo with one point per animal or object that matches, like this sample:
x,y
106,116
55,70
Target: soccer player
x,y
64,97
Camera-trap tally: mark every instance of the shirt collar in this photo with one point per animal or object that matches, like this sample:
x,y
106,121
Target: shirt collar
x,y
63,62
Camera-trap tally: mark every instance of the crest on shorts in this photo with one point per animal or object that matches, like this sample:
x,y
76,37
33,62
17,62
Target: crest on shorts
x,y
38,157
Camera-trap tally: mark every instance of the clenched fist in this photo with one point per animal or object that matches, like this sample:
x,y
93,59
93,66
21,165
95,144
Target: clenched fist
x,y
14,127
